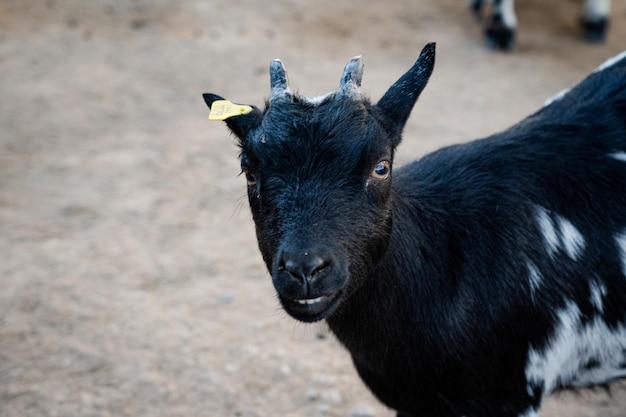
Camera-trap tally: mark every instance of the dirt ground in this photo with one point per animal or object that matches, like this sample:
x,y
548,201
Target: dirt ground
x,y
130,281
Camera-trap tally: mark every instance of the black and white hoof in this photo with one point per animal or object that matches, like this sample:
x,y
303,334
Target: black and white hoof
x,y
595,30
499,36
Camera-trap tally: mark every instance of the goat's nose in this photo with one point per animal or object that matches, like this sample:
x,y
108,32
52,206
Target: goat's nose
x,y
303,266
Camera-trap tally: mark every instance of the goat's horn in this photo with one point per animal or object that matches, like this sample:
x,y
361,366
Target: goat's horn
x,y
278,80
352,74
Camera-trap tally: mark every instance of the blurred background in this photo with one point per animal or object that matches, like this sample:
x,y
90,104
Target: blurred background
x,y
130,281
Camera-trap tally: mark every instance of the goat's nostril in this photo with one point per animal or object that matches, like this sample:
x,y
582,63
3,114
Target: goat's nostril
x,y
304,267
316,265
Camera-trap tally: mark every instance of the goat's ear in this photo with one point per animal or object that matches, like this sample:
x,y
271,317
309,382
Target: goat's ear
x,y
240,124
399,100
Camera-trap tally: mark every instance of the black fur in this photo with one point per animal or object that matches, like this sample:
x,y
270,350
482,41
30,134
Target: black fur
x,y
423,274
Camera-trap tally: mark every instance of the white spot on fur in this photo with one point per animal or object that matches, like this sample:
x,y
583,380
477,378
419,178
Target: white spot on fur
x,y
620,239
558,96
598,292
529,390
620,156
548,230
611,61
577,355
560,233
534,278
573,241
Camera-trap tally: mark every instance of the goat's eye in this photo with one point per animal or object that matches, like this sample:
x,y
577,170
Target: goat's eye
x,y
381,171
250,178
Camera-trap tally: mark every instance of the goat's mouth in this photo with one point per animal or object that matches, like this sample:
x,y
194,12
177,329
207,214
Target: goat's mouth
x,y
311,309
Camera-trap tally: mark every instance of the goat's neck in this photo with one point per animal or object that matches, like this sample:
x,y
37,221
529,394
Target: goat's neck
x,y
401,287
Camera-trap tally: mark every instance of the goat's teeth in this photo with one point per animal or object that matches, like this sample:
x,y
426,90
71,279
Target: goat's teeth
x,y
310,301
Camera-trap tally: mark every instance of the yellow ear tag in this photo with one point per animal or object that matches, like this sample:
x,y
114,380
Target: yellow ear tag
x,y
223,109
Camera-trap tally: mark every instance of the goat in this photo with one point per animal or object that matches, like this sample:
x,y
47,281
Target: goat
x,y
502,24
472,282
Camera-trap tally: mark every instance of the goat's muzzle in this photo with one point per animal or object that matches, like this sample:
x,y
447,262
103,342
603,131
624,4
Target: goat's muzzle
x,y
310,282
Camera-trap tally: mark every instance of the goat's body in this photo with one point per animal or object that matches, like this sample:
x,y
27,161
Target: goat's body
x,y
530,295
484,276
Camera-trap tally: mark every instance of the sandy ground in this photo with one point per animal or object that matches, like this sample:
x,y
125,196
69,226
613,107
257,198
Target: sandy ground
x,y
130,282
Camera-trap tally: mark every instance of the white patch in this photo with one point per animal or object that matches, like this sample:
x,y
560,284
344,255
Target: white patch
x,y
596,9
611,61
620,156
507,11
598,292
573,241
548,231
560,233
558,96
577,355
620,239
534,278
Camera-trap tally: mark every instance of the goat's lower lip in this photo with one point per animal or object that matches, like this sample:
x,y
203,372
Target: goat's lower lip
x,y
311,309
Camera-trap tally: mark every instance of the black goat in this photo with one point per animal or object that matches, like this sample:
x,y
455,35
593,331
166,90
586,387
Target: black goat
x,y
502,23
484,276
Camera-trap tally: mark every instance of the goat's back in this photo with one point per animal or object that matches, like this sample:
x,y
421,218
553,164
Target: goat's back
x,y
535,232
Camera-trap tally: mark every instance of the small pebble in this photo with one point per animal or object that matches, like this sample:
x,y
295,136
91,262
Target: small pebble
x,y
231,368
212,377
322,409
311,394
227,298
284,369
361,411
331,396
